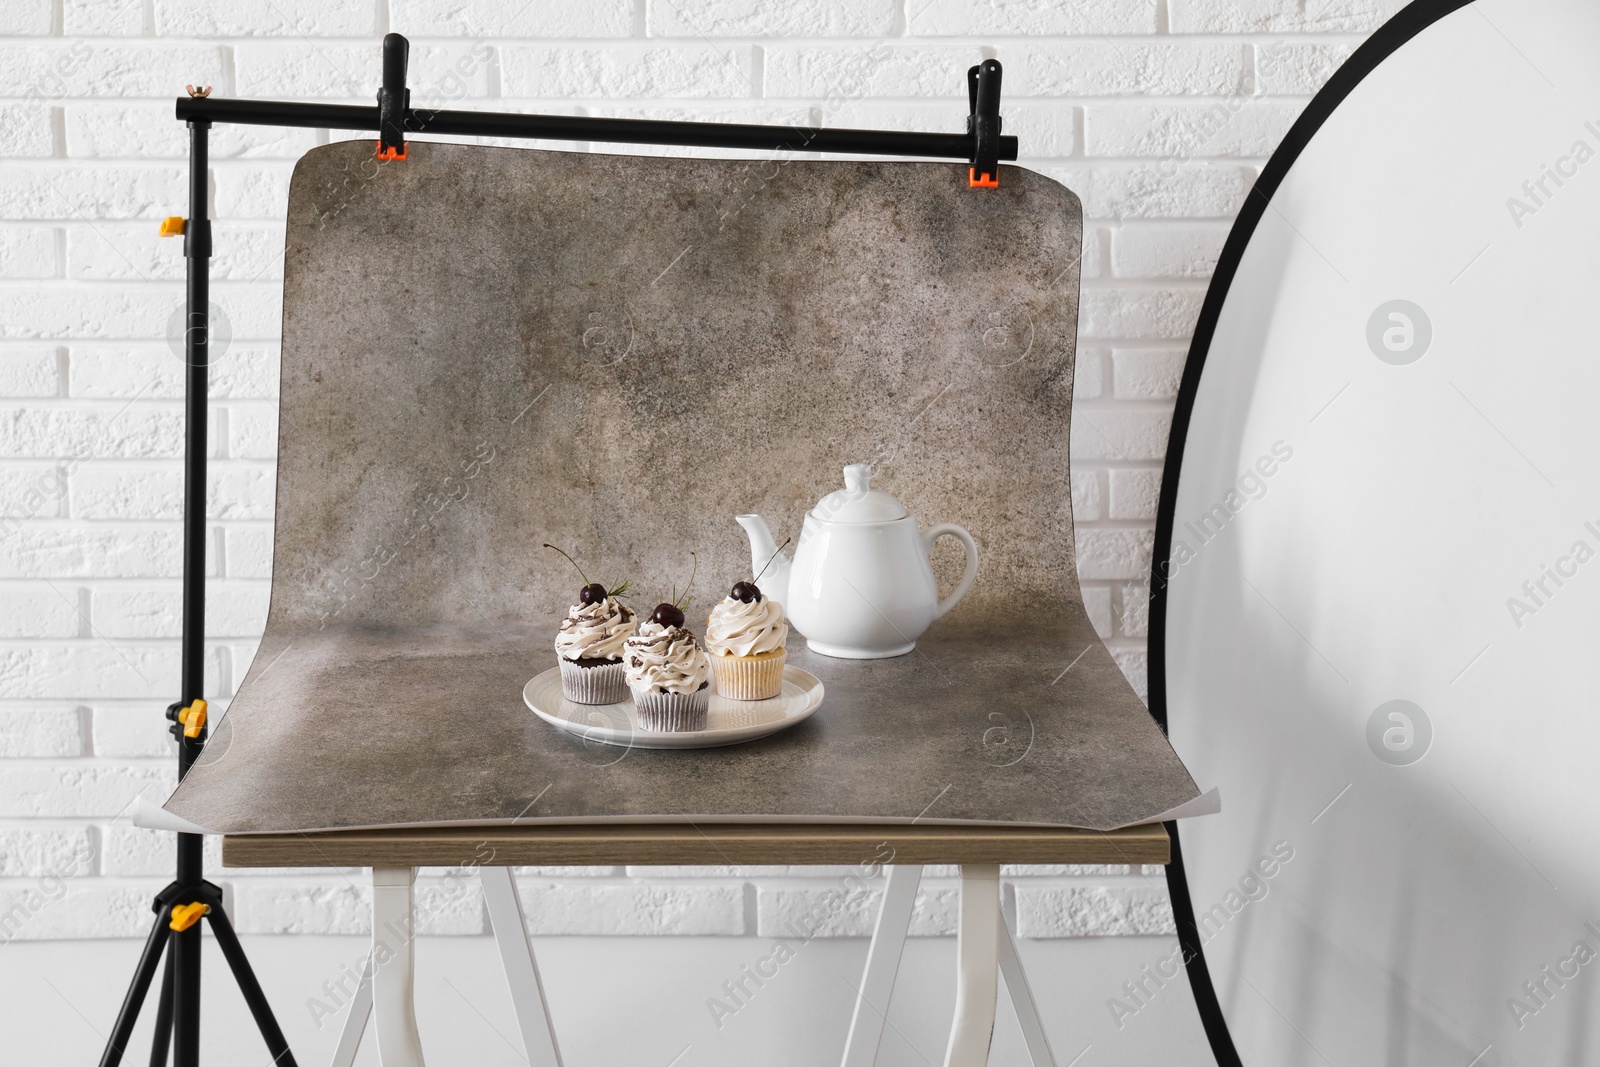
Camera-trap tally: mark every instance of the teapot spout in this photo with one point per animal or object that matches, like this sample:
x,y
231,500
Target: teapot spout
x,y
774,582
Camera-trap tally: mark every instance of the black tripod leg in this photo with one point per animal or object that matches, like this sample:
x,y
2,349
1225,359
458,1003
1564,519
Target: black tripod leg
x,y
142,977
228,941
186,998
163,1035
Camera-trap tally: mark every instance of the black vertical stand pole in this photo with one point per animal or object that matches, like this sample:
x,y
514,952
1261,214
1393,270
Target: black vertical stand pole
x,y
177,1020
197,354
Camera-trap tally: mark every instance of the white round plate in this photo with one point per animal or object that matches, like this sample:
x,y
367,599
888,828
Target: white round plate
x,y
728,722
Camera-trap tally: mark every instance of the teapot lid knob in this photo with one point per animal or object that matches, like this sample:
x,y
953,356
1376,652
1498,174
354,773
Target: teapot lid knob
x,y
858,501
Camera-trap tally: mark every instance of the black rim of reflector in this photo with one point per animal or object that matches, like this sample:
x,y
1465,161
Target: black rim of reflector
x,y
1405,25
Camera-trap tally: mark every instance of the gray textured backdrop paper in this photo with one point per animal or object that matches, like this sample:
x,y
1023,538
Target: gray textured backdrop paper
x,y
485,349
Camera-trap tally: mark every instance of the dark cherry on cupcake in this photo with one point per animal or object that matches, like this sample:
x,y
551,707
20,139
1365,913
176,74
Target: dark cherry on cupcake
x,y
590,643
749,592
745,638
667,615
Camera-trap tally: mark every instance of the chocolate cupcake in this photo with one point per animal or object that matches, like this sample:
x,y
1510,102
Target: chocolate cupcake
x,y
589,645
589,648
668,674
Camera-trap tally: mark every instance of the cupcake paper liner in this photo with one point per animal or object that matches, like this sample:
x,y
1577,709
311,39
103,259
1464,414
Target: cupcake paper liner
x,y
672,712
757,677
605,683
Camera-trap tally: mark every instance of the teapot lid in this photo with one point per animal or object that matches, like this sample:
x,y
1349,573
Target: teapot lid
x,y
858,501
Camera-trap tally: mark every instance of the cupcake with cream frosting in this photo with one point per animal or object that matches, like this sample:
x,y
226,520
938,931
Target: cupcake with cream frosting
x,y
670,678
668,674
590,643
745,638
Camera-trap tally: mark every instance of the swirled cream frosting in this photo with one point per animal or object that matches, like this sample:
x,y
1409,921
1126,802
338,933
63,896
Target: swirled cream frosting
x,y
666,658
595,631
739,629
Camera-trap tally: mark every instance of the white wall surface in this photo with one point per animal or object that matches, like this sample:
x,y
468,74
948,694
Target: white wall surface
x,y
1159,113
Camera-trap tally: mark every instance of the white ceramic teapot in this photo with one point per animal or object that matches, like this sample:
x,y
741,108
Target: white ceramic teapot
x,y
860,585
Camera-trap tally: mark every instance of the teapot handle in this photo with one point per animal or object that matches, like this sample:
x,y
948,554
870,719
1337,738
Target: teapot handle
x,y
947,529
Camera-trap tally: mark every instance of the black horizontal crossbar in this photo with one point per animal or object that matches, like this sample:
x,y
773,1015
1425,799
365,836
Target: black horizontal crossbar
x,y
574,128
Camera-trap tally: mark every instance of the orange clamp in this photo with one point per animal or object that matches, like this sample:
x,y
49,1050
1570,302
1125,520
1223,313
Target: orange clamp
x,y
987,181
186,915
172,226
391,152
193,718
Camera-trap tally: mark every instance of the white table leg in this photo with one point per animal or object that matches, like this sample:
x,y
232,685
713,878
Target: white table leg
x,y
1022,998
394,967
883,966
522,970
355,1020
977,966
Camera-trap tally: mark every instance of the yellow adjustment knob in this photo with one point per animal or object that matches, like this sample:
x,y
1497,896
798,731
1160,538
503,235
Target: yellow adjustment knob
x,y
172,226
186,915
193,718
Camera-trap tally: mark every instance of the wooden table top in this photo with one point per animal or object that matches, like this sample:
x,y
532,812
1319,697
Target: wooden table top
x,y
689,843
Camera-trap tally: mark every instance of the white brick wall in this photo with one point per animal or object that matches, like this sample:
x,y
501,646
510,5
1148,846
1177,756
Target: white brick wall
x,y
1159,113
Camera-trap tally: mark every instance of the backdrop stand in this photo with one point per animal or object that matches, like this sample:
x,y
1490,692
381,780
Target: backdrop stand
x,y
180,906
